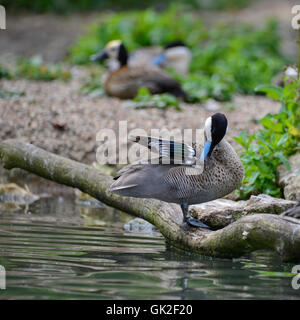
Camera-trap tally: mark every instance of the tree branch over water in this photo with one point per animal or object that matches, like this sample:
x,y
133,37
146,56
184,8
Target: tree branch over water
x,y
250,233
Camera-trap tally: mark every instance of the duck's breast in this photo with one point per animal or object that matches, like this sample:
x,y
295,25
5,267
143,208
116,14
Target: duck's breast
x,y
222,174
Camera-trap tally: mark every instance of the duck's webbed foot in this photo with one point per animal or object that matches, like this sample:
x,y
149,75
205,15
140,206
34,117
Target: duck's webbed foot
x,y
196,223
190,220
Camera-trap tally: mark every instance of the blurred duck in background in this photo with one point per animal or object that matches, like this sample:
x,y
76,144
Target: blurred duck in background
x,y
175,55
124,81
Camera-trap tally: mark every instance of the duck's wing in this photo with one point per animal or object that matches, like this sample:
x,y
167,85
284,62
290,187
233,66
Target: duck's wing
x,y
150,77
171,152
143,56
158,81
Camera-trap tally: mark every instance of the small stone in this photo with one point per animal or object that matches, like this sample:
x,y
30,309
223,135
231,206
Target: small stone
x,y
245,234
211,105
290,179
12,193
139,225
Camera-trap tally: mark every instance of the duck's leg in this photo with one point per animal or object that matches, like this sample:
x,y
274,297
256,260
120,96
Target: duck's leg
x,y
190,220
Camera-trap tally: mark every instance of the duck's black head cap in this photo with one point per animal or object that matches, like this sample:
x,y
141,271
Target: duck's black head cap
x,y
219,126
174,44
122,56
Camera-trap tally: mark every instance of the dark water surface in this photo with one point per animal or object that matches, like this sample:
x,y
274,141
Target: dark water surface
x,y
57,249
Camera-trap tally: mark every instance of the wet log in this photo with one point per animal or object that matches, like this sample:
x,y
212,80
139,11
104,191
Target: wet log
x,y
254,232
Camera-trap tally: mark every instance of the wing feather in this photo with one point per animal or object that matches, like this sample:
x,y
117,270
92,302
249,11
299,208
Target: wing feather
x,y
176,152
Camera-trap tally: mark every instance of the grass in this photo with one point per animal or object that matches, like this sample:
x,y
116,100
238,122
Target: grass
x,y
271,146
144,99
227,59
35,69
4,73
92,86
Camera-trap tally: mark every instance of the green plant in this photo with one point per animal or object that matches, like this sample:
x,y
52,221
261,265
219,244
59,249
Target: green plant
x,y
144,99
138,29
226,59
92,86
271,146
4,73
36,69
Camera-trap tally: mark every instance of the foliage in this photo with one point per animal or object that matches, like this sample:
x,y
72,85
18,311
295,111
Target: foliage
x,y
92,86
144,99
138,29
35,69
227,59
79,5
200,87
271,146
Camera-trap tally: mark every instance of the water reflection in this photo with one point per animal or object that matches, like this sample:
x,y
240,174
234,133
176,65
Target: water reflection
x,y
58,249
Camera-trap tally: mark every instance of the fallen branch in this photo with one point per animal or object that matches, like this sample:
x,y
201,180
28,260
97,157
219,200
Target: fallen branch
x,y
258,231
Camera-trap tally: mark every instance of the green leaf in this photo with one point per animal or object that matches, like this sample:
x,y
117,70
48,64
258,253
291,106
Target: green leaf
x,y
283,140
271,91
283,159
262,139
144,99
254,176
267,122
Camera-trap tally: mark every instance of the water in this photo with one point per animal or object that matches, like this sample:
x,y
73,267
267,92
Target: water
x,y
57,249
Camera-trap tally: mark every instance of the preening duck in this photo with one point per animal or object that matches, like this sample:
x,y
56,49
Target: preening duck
x,y
124,81
184,174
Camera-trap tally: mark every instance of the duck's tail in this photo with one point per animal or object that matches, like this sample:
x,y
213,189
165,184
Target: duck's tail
x,y
180,93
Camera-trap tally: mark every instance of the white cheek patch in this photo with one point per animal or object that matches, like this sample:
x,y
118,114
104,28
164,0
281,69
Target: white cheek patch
x,y
207,128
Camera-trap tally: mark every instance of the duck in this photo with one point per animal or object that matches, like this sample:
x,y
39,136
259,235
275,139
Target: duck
x,y
174,55
124,81
184,174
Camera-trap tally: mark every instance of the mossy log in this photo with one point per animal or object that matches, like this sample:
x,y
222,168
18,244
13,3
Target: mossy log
x,y
258,231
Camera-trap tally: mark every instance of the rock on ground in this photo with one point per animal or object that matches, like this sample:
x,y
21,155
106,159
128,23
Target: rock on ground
x,y
139,225
289,180
12,193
